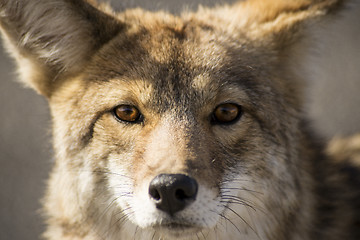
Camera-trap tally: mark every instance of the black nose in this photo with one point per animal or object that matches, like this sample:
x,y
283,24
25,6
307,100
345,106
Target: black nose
x,y
173,192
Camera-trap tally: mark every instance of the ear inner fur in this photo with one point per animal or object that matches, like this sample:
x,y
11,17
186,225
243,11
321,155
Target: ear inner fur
x,y
51,39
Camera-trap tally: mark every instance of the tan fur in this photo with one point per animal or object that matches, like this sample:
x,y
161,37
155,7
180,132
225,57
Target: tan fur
x,y
261,176
345,148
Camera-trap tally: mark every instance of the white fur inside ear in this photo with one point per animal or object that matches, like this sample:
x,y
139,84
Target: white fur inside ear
x,y
27,69
55,33
52,38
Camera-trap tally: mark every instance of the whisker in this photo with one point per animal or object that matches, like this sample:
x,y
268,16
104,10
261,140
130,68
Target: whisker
x,y
237,199
123,218
227,219
242,189
112,173
240,180
202,233
240,203
243,201
197,236
108,207
253,193
153,236
136,231
229,208
220,222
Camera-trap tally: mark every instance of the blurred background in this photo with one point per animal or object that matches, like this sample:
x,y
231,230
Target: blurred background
x,y
25,139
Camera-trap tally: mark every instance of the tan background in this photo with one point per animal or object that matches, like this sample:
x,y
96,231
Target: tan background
x,y
25,140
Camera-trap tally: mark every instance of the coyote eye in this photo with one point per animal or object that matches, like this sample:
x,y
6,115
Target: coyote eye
x,y
127,113
226,113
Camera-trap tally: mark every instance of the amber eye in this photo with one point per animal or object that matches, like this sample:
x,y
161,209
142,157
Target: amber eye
x,y
127,113
226,113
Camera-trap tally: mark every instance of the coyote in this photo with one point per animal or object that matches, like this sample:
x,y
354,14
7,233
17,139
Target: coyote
x,y
183,127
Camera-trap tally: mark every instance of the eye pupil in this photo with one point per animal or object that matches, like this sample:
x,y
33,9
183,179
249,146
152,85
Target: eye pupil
x,y
226,113
127,113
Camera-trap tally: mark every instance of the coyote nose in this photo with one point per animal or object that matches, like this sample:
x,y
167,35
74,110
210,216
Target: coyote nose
x,y
173,192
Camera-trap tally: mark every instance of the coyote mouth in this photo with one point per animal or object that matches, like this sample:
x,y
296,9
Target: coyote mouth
x,y
175,228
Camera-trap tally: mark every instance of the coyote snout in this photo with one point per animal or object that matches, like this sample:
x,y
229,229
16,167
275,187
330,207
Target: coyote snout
x,y
173,183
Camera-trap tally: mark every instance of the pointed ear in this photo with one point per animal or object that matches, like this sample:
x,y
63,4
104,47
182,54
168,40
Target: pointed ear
x,y
282,21
52,39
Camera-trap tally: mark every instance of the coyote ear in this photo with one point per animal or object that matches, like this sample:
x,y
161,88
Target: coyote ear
x,y
53,38
283,19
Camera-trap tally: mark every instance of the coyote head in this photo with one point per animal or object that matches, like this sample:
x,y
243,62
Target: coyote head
x,y
166,125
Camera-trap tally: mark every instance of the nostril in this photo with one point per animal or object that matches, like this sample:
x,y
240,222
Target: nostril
x,y
186,191
180,195
154,193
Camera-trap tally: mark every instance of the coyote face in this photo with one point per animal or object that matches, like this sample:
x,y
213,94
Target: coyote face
x,y
180,140
172,127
